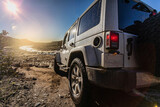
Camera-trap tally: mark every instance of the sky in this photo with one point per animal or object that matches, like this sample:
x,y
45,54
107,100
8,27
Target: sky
x,y
44,20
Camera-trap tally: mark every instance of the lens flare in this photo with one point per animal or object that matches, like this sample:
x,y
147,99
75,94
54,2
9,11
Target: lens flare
x,y
11,7
156,105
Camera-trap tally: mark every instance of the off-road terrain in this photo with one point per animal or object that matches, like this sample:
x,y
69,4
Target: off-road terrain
x,y
33,83
37,87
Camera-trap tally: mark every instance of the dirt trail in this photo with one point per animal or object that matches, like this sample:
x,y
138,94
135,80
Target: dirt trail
x,y
43,88
50,89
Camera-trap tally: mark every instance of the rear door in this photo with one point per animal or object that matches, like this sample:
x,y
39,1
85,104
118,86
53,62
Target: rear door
x,y
131,16
130,50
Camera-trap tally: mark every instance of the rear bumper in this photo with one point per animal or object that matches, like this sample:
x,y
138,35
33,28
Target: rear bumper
x,y
121,79
112,78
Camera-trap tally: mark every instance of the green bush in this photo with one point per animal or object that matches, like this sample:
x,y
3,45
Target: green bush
x,y
6,61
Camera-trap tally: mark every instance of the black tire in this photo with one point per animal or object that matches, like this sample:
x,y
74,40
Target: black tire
x,y
80,97
150,36
56,67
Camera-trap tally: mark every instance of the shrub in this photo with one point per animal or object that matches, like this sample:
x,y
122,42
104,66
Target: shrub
x,y
6,61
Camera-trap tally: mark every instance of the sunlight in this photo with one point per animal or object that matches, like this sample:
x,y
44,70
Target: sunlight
x,y
12,7
28,48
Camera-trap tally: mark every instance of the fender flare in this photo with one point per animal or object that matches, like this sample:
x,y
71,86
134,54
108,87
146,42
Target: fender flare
x,y
58,57
89,55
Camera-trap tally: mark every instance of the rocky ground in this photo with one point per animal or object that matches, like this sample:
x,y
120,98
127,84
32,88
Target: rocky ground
x,y
30,59
34,84
36,87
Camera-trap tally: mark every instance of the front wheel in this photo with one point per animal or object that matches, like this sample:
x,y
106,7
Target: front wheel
x,y
78,83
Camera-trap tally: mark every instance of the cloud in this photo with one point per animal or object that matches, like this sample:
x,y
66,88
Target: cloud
x,y
14,27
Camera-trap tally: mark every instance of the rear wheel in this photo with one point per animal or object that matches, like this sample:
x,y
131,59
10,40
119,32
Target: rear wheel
x,y
78,83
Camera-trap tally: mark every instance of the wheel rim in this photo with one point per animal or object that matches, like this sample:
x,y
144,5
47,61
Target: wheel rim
x,y
76,81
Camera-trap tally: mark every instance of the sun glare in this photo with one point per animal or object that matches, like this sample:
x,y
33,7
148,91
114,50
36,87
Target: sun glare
x,y
12,7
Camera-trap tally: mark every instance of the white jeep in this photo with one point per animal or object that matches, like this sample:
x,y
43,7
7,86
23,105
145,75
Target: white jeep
x,y
100,48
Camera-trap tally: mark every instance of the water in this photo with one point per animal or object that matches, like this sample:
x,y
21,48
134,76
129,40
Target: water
x,y
30,49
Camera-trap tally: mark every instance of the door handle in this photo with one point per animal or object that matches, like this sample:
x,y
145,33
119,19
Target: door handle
x,y
72,44
129,46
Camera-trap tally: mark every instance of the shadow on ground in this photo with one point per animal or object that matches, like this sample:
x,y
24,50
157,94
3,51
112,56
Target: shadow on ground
x,y
102,97
62,73
110,98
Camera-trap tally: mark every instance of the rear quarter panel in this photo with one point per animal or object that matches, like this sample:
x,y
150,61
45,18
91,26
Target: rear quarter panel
x,y
88,42
86,38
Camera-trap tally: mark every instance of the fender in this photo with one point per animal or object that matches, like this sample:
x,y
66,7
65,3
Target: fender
x,y
89,55
57,56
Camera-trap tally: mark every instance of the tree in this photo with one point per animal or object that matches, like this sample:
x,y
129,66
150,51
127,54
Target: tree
x,y
4,32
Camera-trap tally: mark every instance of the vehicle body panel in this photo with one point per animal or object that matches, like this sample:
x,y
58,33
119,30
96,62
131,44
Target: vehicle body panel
x,y
115,69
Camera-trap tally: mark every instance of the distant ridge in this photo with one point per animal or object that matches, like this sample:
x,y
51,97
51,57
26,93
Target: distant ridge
x,y
10,41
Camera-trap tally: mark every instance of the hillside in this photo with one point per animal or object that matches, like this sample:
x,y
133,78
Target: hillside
x,y
9,41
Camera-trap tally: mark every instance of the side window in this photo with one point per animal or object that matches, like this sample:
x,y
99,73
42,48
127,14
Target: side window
x,y
73,32
91,18
65,39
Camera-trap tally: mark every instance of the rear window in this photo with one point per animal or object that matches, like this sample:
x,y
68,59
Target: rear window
x,y
131,15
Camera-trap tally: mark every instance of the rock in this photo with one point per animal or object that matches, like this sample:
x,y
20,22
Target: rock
x,y
25,87
34,78
28,68
30,65
56,91
16,84
16,64
14,68
46,94
18,97
37,104
61,96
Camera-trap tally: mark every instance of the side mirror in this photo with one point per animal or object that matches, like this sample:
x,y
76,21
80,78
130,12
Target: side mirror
x,y
63,47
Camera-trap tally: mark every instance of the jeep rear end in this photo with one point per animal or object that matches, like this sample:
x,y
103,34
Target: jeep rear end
x,y
119,61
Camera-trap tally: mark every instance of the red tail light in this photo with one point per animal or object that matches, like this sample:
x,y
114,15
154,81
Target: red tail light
x,y
154,13
112,40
